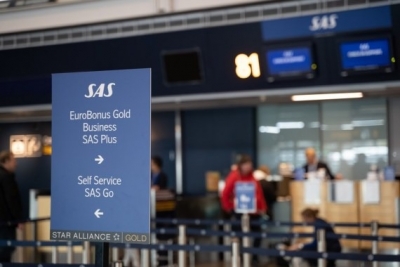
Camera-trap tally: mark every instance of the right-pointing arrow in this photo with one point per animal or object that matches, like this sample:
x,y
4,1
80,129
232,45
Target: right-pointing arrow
x,y
98,213
99,159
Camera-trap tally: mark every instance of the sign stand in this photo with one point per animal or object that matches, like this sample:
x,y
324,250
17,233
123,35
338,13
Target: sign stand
x,y
102,254
246,239
245,203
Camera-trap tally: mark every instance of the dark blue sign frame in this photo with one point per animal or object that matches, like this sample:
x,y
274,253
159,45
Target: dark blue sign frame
x,y
101,156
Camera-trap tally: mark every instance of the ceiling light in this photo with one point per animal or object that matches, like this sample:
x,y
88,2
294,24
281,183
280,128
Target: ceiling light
x,y
366,123
346,127
290,125
269,129
315,97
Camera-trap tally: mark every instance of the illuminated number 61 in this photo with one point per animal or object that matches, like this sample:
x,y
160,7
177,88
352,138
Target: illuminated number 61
x,y
247,65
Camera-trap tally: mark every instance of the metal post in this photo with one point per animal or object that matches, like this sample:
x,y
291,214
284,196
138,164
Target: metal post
x,y
102,258
375,245
86,253
153,236
115,255
145,258
118,264
54,255
235,253
192,254
246,239
34,235
19,252
70,253
182,242
227,240
178,153
321,246
170,254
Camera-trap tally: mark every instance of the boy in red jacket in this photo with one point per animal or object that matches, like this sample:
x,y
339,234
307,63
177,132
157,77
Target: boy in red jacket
x,y
243,173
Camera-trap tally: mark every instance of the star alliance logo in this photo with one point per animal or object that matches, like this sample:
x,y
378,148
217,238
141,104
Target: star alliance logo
x,y
116,237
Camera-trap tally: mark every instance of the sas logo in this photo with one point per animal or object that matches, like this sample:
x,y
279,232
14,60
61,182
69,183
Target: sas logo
x,y
102,90
326,22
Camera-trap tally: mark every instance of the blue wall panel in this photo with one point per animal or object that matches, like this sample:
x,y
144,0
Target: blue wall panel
x,y
163,142
211,139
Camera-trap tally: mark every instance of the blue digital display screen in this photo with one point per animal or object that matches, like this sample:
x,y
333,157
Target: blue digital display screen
x,y
289,62
365,55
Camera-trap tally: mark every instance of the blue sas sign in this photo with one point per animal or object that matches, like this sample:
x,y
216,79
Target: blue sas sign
x,y
101,156
245,197
327,23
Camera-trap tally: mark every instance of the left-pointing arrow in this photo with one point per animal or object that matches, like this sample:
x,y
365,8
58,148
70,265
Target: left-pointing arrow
x,y
99,159
98,213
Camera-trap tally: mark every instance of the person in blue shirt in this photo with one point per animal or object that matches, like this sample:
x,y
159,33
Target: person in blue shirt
x,y
159,179
332,245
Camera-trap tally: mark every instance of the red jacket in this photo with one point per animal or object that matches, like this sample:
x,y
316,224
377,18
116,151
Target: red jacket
x,y
228,194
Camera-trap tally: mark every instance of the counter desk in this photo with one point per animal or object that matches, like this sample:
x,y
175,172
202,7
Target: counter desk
x,y
349,202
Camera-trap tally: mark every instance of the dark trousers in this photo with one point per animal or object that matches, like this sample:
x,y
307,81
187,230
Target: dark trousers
x,y
7,233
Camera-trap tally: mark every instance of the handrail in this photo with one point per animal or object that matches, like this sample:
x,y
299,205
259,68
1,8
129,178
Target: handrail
x,y
209,232
208,222
204,222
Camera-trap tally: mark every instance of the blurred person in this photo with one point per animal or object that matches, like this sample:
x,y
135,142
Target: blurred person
x,y
314,165
360,167
263,176
244,173
332,245
159,180
10,203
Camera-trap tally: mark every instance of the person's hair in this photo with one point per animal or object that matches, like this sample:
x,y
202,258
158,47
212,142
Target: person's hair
x,y
5,156
310,213
243,159
265,169
158,161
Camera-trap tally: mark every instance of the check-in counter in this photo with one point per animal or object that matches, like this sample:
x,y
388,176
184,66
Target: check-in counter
x,y
350,202
336,202
379,201
342,206
300,201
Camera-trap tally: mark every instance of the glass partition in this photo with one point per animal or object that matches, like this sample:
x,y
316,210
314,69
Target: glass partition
x,y
349,135
284,131
354,134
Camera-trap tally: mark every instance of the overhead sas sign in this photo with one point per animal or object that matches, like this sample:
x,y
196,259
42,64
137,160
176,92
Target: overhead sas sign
x,y
326,22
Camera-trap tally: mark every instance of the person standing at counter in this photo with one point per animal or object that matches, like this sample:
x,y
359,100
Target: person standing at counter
x,y
314,166
10,202
262,175
244,173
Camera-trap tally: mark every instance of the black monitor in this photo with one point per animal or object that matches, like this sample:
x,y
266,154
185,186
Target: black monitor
x,y
182,67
